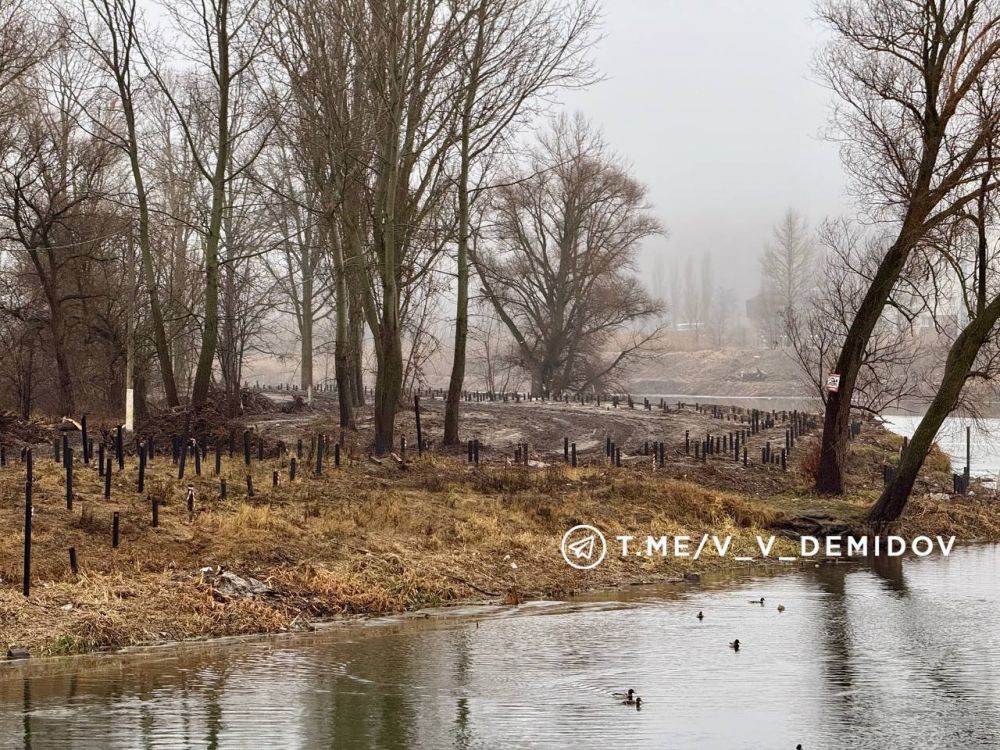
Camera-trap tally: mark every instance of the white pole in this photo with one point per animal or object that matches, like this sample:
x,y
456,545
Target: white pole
x,y
130,347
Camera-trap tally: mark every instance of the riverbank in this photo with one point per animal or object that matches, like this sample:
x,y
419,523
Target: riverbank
x,y
371,538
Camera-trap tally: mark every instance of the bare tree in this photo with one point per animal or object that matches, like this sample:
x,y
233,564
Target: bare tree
x,y
513,53
559,274
974,351
222,126
788,273
816,330
906,74
108,32
52,184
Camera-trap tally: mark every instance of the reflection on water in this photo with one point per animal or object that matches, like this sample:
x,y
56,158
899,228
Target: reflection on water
x,y
898,655
985,441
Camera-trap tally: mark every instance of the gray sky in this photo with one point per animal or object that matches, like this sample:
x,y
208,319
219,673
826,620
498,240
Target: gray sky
x,y
716,105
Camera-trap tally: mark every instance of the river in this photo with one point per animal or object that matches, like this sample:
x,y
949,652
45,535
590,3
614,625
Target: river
x,y
901,655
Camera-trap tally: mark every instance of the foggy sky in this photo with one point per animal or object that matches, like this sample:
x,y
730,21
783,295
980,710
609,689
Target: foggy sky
x,y
716,105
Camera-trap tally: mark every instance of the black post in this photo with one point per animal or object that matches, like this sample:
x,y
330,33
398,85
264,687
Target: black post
x,y
566,449
420,434
26,586
84,442
319,454
968,450
246,447
218,457
249,486
114,529
120,447
222,488
69,478
292,465
107,479
73,567
142,468
183,448
572,453
336,455
156,513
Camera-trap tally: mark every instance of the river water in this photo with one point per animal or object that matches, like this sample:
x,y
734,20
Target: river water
x,y
905,654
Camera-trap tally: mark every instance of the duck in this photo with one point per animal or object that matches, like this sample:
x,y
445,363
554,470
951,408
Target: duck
x,y
637,701
757,601
735,645
781,607
627,695
701,615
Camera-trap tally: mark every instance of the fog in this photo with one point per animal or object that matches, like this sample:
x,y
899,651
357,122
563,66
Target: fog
x,y
717,107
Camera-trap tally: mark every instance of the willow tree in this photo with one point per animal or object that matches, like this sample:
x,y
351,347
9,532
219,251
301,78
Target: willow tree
x,y
559,264
905,73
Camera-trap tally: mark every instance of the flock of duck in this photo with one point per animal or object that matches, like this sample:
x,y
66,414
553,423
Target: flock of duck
x,y
631,699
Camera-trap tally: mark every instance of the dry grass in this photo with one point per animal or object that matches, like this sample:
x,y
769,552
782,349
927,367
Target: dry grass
x,y
362,539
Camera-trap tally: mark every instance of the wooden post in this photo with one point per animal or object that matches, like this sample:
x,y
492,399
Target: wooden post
x,y
73,567
156,512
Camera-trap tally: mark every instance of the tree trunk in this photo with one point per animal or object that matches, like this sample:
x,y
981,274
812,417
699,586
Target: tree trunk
x,y
833,445
388,385
210,333
457,380
356,351
342,343
961,358
306,329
